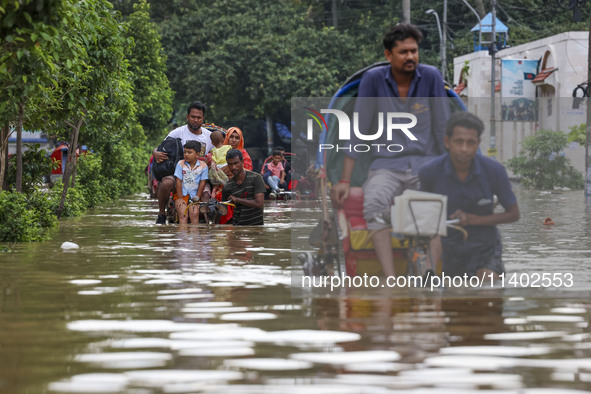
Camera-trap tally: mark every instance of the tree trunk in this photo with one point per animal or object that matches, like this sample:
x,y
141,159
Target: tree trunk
x,y
19,148
70,165
270,145
75,167
4,134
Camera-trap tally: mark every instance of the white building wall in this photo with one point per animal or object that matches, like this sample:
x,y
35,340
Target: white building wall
x,y
567,52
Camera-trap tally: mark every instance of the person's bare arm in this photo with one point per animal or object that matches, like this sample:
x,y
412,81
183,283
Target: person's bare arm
x,y
201,188
510,215
282,177
258,202
159,156
341,190
179,188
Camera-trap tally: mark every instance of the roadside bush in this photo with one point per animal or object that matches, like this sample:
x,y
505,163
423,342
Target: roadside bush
x,y
75,203
125,173
578,134
93,185
36,165
25,218
41,204
541,165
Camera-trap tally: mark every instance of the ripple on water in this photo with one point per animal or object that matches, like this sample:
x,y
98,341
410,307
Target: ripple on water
x,y
555,319
83,282
308,337
508,351
296,386
458,378
190,296
343,358
490,363
524,336
91,383
268,364
569,310
141,343
190,344
217,352
142,326
249,316
379,367
212,309
161,378
244,333
125,360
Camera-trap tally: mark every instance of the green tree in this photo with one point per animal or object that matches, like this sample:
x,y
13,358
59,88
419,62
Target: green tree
x,y
27,28
147,66
95,92
252,60
540,164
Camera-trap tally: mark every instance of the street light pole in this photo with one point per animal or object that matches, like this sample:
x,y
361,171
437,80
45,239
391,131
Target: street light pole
x,y
444,43
492,151
441,47
479,22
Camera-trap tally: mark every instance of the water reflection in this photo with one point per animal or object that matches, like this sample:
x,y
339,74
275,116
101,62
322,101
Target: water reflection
x,y
153,309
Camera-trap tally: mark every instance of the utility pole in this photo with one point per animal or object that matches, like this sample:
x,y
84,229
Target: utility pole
x,y
588,134
406,11
335,21
492,151
444,43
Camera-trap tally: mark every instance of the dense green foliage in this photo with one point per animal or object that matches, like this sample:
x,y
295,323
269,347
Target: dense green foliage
x,y
29,215
578,134
147,65
540,164
248,58
26,217
36,165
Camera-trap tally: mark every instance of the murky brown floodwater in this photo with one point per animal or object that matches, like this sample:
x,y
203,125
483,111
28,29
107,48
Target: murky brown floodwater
x,y
141,308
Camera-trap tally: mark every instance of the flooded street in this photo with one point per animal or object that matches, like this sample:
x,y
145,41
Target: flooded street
x,y
141,308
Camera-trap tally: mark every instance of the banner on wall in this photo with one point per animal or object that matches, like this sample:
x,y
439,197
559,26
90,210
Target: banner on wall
x,y
518,93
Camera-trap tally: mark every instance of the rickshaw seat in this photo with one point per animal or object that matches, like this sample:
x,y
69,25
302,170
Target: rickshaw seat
x,y
353,205
358,236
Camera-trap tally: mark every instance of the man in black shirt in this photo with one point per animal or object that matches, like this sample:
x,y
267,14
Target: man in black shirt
x,y
246,189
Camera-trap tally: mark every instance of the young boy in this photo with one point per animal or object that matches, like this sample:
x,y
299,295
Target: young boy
x,y
190,175
276,176
217,175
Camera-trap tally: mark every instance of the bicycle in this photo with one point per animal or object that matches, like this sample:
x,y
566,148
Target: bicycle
x,y
212,210
426,212
341,250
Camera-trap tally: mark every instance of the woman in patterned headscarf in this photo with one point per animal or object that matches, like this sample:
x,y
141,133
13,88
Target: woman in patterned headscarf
x,y
235,139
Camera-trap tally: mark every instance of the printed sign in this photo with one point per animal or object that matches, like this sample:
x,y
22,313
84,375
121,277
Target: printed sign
x,y
517,91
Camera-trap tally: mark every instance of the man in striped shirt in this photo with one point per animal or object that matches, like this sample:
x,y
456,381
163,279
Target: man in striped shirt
x,y
246,189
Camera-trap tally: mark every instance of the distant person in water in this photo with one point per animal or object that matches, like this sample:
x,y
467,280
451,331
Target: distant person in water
x,y
275,175
246,189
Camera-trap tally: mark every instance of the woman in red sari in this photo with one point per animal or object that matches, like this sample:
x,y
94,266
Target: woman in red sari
x,y
235,139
